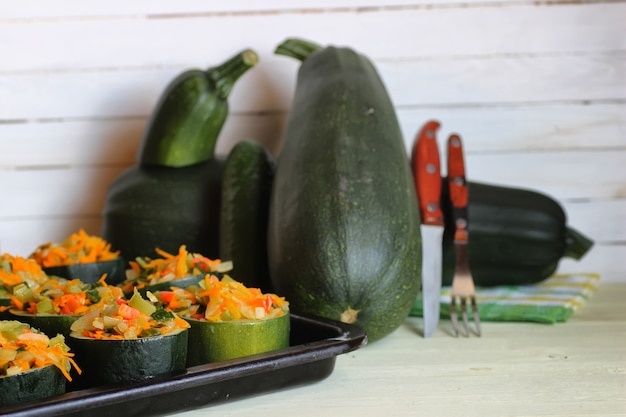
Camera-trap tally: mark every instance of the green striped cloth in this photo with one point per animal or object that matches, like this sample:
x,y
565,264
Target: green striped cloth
x,y
550,301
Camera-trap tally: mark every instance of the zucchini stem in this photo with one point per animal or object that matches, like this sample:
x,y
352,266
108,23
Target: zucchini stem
x,y
577,244
297,48
225,75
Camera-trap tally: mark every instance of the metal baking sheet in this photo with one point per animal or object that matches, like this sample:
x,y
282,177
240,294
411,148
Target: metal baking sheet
x,y
314,346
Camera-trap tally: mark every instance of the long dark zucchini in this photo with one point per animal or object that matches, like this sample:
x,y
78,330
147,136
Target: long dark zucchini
x,y
246,189
517,236
344,236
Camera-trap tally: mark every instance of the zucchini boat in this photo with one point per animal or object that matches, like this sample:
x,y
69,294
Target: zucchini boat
x,y
344,228
55,305
182,270
33,366
128,341
83,256
228,320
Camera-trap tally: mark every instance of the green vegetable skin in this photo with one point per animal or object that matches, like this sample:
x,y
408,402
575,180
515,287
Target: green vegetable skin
x,y
91,272
49,324
173,196
246,189
344,239
517,236
190,114
220,341
122,361
33,385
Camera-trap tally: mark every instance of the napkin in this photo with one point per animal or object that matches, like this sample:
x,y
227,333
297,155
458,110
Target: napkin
x,y
550,301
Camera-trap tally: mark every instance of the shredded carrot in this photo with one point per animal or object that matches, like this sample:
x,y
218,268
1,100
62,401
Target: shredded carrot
x,y
32,349
224,299
145,271
118,320
68,297
78,248
16,270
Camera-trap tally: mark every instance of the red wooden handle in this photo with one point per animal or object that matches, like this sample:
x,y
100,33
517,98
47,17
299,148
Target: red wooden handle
x,y
427,173
458,187
456,172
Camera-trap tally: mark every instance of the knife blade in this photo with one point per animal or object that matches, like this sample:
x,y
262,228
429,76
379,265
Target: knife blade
x,y
427,176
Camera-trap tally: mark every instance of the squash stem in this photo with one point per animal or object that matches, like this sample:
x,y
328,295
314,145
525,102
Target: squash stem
x,y
225,75
577,244
297,48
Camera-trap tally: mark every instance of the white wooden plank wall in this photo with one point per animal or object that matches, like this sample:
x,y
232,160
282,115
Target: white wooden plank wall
x,y
537,90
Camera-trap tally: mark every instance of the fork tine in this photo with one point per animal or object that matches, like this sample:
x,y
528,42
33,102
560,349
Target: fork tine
x,y
464,316
453,316
476,316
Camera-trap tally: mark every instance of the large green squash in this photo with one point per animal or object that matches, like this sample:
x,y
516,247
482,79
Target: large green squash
x,y
517,236
344,231
172,197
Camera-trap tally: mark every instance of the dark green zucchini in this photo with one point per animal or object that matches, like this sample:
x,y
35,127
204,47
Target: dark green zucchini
x,y
344,229
517,236
31,386
172,197
159,207
246,189
48,324
91,272
106,361
190,114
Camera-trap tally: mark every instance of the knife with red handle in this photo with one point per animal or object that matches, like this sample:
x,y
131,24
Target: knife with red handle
x,y
427,175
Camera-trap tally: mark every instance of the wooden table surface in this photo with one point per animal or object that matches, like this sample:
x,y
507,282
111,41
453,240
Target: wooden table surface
x,y
569,369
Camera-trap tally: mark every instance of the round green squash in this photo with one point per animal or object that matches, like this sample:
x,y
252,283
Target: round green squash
x,y
106,362
220,341
33,385
91,272
161,207
49,324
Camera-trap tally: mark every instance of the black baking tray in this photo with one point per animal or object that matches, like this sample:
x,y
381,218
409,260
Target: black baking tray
x,y
314,346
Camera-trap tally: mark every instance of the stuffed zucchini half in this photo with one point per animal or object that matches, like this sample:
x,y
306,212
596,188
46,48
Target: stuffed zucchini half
x,y
53,306
82,256
229,320
33,366
128,340
170,270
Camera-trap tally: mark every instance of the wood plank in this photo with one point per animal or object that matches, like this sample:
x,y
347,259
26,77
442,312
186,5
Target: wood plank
x,y
602,220
62,45
21,236
70,142
81,191
605,259
523,128
487,129
565,175
269,88
67,9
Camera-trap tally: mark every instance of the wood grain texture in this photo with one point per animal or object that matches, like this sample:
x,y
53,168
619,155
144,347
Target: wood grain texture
x,y
536,90
573,369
